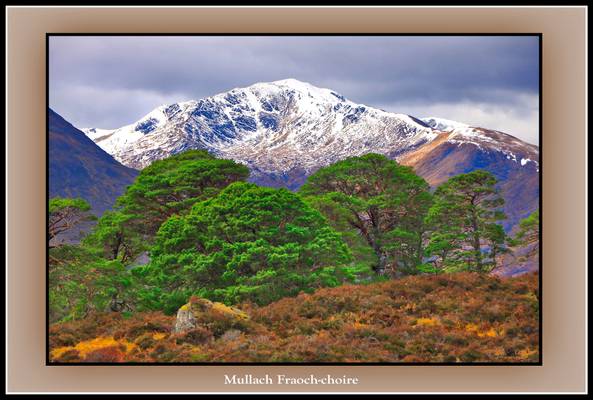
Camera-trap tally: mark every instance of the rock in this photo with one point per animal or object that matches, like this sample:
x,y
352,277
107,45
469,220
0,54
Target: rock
x,y
216,317
185,319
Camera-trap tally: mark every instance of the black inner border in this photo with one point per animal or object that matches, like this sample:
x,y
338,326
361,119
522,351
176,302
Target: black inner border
x,y
48,363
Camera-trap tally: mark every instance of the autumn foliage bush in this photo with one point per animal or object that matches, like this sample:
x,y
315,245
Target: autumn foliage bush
x,y
452,318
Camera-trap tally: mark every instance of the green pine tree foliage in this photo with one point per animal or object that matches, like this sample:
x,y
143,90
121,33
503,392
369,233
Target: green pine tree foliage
x,y
116,237
528,233
247,244
65,214
379,201
529,229
81,283
463,219
167,187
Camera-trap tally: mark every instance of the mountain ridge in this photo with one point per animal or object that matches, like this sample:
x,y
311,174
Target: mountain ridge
x,y
285,130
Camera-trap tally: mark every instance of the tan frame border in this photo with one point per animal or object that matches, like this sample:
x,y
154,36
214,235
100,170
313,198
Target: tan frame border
x,y
564,122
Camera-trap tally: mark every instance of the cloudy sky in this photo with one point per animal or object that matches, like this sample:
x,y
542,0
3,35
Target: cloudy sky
x,y
108,82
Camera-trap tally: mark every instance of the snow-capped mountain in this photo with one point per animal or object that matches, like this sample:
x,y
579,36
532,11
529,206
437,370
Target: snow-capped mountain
x,y
285,130
273,127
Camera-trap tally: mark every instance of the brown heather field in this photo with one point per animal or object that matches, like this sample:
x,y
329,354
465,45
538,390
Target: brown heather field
x,y
451,318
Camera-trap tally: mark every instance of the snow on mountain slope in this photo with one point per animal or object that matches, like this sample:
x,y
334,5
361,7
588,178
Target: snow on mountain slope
x,y
96,134
286,130
112,140
274,127
442,124
512,148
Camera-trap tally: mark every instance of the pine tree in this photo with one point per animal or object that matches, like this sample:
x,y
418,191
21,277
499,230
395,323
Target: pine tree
x,y
529,230
65,214
383,201
463,220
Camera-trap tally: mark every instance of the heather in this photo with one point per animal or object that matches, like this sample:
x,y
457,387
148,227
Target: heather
x,y
453,318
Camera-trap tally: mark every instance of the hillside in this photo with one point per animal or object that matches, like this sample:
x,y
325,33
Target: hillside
x,y
463,317
458,151
80,168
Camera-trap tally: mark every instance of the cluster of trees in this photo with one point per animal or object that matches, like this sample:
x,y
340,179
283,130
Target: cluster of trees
x,y
410,229
82,277
210,233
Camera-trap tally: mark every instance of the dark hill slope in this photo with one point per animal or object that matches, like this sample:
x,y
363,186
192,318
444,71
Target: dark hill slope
x,y
80,168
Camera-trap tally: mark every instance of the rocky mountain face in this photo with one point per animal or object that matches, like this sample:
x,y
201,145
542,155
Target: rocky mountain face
x,y
286,130
80,168
461,149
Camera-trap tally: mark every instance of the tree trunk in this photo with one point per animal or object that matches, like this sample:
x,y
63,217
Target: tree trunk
x,y
115,249
376,232
419,255
382,257
371,238
476,240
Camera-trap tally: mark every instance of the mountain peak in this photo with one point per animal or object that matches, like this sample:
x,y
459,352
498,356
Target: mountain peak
x,y
291,82
304,88
294,84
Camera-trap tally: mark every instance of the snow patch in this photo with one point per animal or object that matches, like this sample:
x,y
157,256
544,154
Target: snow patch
x,y
442,124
